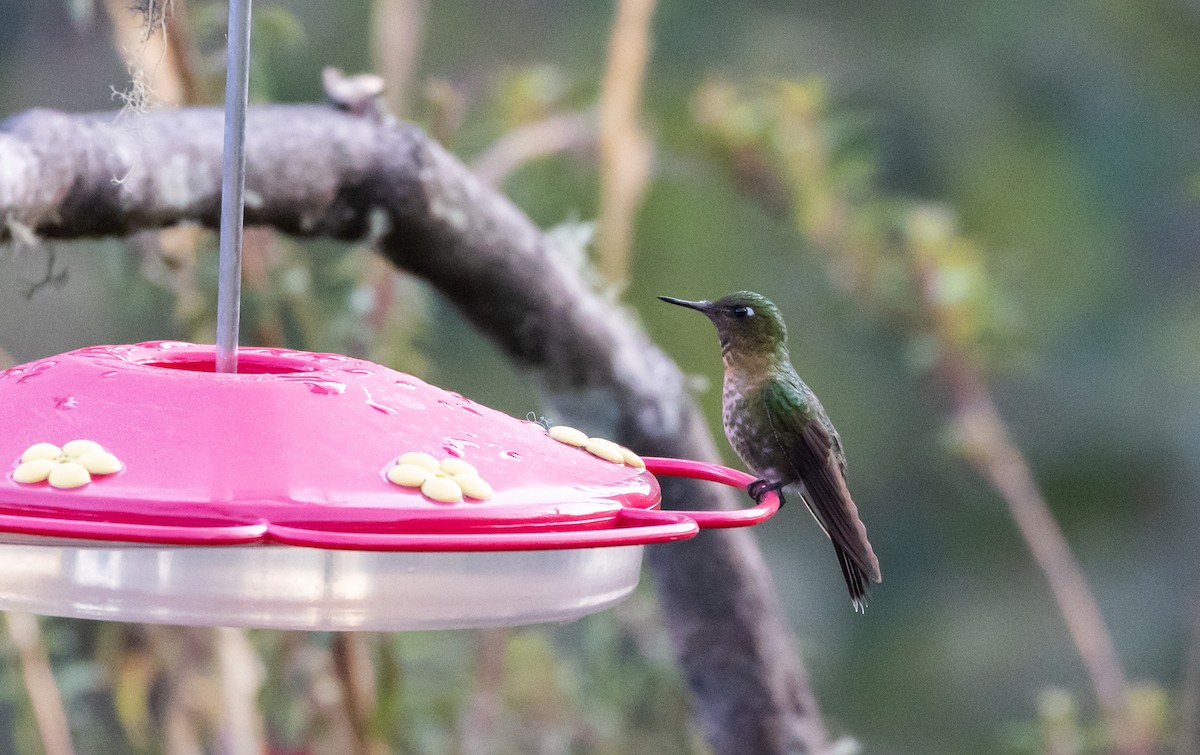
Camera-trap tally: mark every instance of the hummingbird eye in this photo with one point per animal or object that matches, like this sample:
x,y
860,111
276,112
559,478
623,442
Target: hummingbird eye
x,y
743,311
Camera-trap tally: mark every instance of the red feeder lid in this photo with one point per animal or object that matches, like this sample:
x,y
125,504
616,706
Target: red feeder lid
x,y
147,443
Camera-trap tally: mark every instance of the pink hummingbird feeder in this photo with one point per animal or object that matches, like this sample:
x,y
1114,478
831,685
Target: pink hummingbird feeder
x,y
176,483
311,491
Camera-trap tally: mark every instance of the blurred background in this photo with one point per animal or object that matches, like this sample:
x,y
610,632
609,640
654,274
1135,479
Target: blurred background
x,y
1041,161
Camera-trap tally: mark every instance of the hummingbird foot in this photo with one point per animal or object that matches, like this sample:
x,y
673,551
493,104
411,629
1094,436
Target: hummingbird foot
x,y
760,488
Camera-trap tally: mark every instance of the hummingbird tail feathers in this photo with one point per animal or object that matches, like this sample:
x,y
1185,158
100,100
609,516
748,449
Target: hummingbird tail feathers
x,y
829,501
858,581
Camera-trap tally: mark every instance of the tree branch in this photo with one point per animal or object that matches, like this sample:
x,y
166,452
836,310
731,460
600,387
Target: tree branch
x,y
626,153
54,731
313,171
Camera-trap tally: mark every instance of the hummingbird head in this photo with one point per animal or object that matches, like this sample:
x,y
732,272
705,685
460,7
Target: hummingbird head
x,y
749,326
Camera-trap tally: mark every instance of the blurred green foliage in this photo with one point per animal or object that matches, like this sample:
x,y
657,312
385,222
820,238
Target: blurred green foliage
x,y
1045,153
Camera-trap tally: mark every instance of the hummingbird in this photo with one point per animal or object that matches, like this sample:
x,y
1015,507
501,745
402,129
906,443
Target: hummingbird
x,y
777,426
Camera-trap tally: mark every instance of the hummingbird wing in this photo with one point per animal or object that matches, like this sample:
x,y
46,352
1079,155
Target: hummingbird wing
x,y
812,454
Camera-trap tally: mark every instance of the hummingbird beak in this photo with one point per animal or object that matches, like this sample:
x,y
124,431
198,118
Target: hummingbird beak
x,y
699,306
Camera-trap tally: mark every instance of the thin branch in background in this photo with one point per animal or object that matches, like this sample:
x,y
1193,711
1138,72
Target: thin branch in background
x,y
48,711
241,675
989,447
184,655
549,136
328,725
380,278
991,450
381,325
262,256
397,314
54,277
169,259
626,152
445,104
397,34
391,719
478,729
134,669
355,672
179,730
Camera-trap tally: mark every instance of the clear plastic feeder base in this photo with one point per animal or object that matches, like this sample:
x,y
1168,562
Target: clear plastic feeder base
x,y
286,587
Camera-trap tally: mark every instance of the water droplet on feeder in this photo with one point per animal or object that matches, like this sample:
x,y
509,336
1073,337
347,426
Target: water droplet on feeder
x,y
380,407
457,446
35,369
326,387
512,455
65,402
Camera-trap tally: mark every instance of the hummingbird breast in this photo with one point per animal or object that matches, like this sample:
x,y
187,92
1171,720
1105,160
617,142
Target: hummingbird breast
x,y
744,416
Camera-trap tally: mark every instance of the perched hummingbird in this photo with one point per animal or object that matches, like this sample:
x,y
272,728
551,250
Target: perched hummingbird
x,y
780,430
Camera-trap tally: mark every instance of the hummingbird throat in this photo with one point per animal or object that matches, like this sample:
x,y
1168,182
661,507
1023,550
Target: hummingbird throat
x,y
752,362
